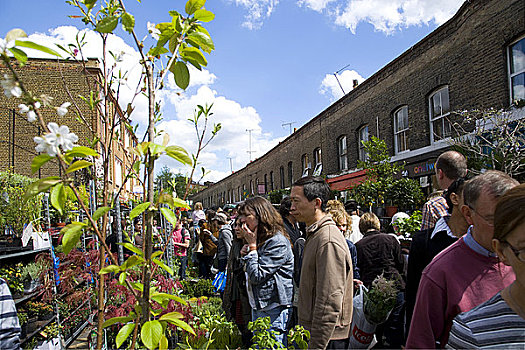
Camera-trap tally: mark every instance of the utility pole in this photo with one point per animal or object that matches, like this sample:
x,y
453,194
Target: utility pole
x,y
231,164
289,124
250,151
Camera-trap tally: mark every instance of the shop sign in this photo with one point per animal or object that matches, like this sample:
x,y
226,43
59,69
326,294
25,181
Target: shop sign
x,y
419,169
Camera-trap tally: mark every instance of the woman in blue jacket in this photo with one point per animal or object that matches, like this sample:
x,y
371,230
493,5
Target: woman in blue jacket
x,y
268,262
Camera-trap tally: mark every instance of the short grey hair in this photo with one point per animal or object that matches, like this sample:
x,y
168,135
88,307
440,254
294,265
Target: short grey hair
x,y
493,181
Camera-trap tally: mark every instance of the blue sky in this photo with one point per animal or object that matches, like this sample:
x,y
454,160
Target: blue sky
x,y
273,61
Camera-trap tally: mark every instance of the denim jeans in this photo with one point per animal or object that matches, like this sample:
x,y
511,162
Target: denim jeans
x,y
279,317
183,265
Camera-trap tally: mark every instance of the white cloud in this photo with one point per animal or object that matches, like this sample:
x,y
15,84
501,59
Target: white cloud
x,y
330,86
385,15
258,11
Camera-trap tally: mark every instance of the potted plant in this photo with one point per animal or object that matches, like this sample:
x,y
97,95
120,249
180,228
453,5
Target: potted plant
x,y
12,274
405,193
379,300
31,274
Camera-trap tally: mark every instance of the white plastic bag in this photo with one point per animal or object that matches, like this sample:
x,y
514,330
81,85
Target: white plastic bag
x,y
361,331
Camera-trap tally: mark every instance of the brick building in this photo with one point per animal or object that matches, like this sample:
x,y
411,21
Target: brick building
x,y
474,60
60,80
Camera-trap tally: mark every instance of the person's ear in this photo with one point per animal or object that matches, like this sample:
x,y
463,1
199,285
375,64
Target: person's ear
x,y
498,249
454,198
467,213
318,203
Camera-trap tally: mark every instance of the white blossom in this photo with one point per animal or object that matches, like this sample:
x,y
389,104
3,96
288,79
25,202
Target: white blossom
x,y
153,31
59,136
4,45
31,115
11,87
62,110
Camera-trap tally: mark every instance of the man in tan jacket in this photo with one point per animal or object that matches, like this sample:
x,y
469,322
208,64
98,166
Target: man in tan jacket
x,y
326,285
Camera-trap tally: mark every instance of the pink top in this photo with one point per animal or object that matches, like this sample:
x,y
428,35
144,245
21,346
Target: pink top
x,y
457,280
178,238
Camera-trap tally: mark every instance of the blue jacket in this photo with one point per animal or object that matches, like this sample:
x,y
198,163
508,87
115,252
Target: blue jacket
x,y
270,272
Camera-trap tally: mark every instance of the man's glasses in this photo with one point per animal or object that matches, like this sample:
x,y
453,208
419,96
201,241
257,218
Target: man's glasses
x,y
490,221
520,253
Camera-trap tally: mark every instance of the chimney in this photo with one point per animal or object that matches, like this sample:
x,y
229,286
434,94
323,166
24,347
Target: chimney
x,y
354,83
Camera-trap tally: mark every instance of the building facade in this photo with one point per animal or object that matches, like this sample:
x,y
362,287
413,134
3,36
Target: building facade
x,y
64,81
476,60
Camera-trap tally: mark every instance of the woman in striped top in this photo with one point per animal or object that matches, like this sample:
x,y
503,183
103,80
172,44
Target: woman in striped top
x,y
500,321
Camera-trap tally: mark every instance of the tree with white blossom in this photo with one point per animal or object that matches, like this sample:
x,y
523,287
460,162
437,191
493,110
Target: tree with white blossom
x,y
176,43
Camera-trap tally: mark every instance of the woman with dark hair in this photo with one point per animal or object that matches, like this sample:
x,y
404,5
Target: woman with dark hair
x,y
268,262
209,249
500,321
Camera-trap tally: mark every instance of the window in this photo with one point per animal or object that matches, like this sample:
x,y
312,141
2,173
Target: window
x,y
251,187
517,70
271,180
439,110
265,182
342,151
363,137
281,173
290,173
318,163
305,164
401,129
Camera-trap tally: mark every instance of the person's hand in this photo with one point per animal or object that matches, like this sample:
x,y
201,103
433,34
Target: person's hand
x,y
357,283
249,235
245,249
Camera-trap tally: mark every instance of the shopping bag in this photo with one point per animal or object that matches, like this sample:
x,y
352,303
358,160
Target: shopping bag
x,y
220,281
361,331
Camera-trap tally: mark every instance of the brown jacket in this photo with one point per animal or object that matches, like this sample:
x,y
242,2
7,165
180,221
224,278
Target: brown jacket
x,y
326,287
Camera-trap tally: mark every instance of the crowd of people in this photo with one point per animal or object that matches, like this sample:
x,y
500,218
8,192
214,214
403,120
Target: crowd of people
x,y
461,283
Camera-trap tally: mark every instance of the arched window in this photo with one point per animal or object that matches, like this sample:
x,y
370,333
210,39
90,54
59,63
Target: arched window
x,y
318,165
305,164
362,137
342,153
290,173
281,173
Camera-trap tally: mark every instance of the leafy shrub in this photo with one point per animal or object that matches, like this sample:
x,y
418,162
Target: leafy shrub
x,y
199,288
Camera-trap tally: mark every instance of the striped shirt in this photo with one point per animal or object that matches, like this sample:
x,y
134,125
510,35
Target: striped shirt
x,y
9,325
490,325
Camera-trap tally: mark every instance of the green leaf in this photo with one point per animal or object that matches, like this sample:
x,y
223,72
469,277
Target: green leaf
x,y
40,186
14,34
173,42
179,153
192,53
107,24
20,55
136,167
109,269
157,51
171,316
81,151
139,209
201,40
132,248
90,3
157,253
38,161
38,47
181,74
112,321
194,5
166,198
72,233
128,22
160,297
124,333
58,198
156,149
150,333
169,215
138,286
122,277
182,324
79,164
100,212
163,266
179,203
204,15
133,260
163,343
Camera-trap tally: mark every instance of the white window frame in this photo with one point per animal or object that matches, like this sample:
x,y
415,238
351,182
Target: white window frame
x,y
271,181
318,162
282,177
401,133
306,165
442,116
118,172
362,135
290,173
342,151
517,72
